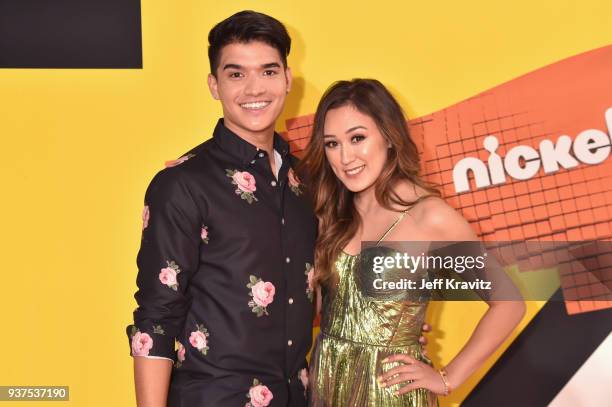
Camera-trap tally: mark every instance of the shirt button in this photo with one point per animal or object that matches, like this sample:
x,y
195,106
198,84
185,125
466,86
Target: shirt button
x,y
273,183
290,300
289,381
260,155
283,221
253,162
287,260
289,342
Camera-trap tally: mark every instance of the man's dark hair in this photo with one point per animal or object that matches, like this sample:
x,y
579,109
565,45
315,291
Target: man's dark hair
x,y
246,26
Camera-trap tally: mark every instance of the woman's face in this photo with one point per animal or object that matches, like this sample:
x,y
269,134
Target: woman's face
x,y
355,148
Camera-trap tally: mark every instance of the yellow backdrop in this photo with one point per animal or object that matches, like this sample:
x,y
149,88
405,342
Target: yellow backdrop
x,y
79,147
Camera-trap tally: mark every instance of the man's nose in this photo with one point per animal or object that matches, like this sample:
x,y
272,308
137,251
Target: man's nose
x,y
254,86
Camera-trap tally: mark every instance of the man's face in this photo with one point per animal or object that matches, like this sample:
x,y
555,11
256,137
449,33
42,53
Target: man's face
x,y
251,83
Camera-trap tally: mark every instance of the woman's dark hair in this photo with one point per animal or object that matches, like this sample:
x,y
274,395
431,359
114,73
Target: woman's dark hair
x,y
246,26
332,201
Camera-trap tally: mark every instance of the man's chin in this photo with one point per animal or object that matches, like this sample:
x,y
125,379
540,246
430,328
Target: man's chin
x,y
258,127
251,125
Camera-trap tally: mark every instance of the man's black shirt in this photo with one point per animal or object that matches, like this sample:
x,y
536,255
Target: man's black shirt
x,y
226,248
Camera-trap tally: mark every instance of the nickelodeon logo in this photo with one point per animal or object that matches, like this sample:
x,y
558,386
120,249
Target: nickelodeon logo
x,y
523,162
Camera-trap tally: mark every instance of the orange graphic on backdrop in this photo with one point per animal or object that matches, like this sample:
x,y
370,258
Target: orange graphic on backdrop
x,y
573,204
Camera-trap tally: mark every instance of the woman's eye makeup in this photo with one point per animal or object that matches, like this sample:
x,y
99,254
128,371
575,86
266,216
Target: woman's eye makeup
x,y
355,138
331,144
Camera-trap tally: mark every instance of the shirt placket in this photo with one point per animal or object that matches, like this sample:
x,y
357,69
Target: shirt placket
x,y
279,191
287,264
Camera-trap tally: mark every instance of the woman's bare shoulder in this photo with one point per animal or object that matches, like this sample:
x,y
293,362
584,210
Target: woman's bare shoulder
x,y
442,222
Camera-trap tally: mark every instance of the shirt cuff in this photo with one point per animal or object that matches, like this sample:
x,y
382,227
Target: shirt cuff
x,y
155,357
153,343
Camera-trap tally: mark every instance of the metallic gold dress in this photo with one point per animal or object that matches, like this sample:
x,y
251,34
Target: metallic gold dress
x,y
357,332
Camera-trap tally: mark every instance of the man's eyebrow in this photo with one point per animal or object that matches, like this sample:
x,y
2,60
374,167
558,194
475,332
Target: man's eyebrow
x,y
264,66
271,65
355,128
231,66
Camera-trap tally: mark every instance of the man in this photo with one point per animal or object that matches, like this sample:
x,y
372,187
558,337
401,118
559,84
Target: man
x,y
228,241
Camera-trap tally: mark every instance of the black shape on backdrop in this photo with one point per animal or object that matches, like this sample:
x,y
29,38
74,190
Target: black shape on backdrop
x,y
543,358
70,34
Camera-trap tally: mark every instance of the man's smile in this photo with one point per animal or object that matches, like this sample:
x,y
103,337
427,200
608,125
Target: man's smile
x,y
255,105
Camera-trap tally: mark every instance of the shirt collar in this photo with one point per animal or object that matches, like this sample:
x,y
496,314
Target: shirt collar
x,y
238,147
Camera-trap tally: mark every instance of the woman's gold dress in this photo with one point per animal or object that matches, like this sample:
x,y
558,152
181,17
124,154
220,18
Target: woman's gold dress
x,y
357,332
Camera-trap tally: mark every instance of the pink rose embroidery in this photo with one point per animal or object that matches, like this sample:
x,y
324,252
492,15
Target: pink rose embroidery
x,y
199,339
141,343
204,234
304,379
259,395
244,181
262,294
294,182
245,184
174,163
145,217
309,281
180,355
168,275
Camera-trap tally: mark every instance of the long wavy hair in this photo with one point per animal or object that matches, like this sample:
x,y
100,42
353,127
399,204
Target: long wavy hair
x,y
332,201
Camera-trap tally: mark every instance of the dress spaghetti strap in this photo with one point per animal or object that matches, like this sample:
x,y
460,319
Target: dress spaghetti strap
x,y
399,218
397,221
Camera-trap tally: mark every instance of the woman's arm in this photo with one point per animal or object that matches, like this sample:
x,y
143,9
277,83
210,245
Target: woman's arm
x,y
152,379
494,327
444,224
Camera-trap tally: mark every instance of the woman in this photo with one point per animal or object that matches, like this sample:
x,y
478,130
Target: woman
x,y
366,186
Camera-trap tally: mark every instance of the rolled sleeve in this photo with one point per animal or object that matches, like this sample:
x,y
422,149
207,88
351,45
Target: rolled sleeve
x,y
168,257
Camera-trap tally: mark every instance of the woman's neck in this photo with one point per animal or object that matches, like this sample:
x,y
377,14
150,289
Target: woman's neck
x,y
365,201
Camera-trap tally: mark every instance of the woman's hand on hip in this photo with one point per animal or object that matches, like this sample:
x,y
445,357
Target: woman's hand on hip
x,y
413,373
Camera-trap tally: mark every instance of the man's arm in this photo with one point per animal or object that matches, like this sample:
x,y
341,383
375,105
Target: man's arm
x,y
152,380
168,257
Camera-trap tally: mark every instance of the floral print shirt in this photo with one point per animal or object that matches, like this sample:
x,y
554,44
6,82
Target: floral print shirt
x,y
223,287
